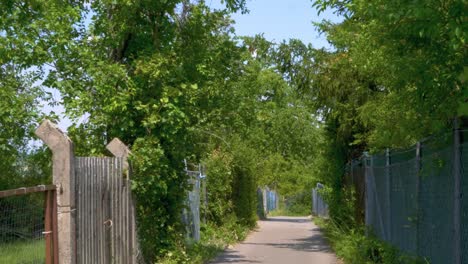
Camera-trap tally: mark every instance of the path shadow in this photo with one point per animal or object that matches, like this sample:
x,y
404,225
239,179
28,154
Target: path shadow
x,y
313,243
288,220
232,257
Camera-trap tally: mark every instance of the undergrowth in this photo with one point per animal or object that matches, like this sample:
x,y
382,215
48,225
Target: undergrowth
x,y
214,239
354,247
283,211
293,207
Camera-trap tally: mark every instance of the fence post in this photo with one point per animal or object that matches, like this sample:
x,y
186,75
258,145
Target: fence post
x,y
120,150
389,194
377,200
367,191
457,193
418,191
63,173
50,226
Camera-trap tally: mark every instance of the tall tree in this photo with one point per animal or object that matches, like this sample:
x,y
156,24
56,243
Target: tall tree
x,y
415,55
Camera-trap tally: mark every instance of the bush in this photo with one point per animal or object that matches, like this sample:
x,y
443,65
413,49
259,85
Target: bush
x,y
219,186
300,204
214,239
244,194
159,186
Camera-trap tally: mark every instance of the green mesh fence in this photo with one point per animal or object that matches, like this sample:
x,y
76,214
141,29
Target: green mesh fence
x,y
21,229
410,198
464,200
404,205
436,204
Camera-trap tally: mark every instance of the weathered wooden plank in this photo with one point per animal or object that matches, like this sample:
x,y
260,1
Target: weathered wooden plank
x,y
106,228
22,191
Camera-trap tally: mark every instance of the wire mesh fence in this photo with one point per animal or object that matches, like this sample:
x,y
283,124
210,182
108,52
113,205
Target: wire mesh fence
x,y
319,206
414,198
272,200
267,201
26,213
196,201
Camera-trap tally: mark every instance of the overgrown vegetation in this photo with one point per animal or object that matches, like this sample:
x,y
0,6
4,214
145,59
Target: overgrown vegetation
x,y
397,75
299,205
173,81
214,239
353,246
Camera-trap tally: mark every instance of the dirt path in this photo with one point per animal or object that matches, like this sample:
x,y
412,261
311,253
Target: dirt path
x,y
281,240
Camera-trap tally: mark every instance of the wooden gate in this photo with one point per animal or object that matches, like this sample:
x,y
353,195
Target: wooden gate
x,y
105,222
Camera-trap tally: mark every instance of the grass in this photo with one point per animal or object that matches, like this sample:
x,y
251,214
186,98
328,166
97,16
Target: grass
x,y
354,247
32,251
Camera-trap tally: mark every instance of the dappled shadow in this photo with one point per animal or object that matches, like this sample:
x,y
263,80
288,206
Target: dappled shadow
x,y
313,243
232,257
288,220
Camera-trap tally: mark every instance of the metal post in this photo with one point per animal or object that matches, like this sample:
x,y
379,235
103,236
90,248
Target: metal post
x,y
367,191
63,171
377,200
389,195
418,190
457,193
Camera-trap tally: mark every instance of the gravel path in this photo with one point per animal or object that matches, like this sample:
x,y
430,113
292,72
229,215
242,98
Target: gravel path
x,y
281,240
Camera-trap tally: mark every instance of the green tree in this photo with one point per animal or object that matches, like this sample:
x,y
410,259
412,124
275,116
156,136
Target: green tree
x,y
414,53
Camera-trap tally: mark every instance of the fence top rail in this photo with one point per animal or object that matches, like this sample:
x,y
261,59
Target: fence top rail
x,y
27,190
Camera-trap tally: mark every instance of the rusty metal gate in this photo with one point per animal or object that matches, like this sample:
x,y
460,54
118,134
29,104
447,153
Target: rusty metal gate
x,y
105,222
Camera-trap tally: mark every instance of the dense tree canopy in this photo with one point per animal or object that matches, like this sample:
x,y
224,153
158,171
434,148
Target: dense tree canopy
x,y
412,55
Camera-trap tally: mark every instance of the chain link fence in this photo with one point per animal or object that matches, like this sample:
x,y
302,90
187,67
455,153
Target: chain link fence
x,y
267,201
196,201
319,206
415,199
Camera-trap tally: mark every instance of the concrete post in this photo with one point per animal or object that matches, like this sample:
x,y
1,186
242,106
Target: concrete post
x,y
63,172
119,150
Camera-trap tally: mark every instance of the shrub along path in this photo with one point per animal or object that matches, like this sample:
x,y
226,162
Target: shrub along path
x,y
282,240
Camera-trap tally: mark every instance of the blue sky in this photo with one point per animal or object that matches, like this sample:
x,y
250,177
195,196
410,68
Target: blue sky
x,y
277,19
280,20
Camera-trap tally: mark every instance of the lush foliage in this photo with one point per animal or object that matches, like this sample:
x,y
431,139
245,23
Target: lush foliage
x,y
354,247
214,239
409,56
171,80
396,74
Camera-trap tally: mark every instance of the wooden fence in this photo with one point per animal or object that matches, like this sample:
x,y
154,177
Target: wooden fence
x,y
105,226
